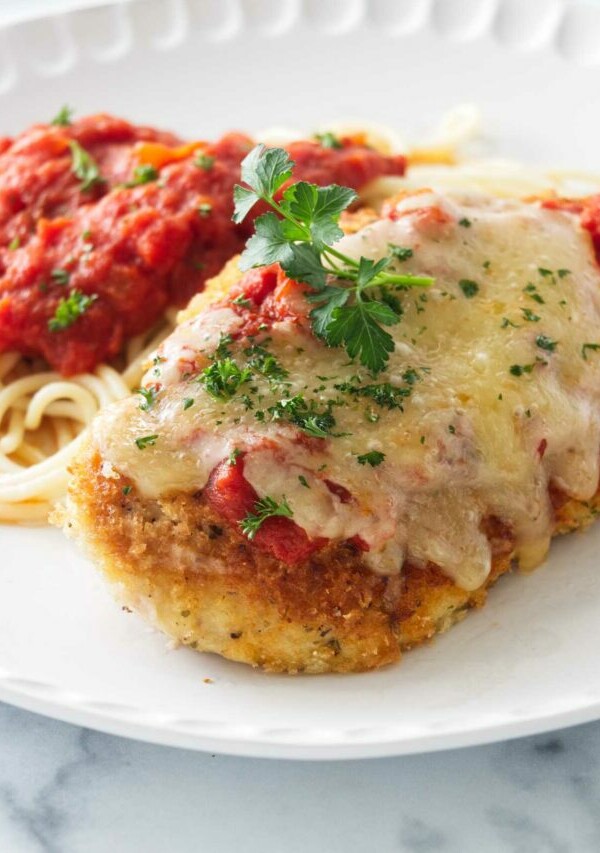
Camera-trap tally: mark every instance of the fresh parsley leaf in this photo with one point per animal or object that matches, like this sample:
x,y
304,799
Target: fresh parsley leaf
x,y
268,245
468,287
63,117
84,167
304,264
266,169
243,202
358,327
384,394
372,458
146,441
264,508
329,299
69,310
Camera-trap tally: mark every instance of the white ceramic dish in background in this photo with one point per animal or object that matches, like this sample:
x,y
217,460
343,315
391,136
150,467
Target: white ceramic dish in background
x,y
528,661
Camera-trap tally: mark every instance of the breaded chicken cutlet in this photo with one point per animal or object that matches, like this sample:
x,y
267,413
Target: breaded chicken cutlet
x,y
271,500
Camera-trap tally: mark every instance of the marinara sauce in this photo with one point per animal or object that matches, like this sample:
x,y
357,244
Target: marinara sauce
x,y
143,236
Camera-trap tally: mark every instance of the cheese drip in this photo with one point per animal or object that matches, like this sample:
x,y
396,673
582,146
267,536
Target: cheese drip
x,y
499,400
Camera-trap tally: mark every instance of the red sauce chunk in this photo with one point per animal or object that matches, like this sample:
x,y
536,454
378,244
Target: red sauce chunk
x,y
233,498
106,259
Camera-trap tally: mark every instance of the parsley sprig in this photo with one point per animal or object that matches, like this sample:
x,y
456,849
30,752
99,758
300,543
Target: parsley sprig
x,y
264,508
299,233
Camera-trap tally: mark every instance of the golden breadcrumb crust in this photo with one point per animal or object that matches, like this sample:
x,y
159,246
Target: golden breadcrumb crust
x,y
204,584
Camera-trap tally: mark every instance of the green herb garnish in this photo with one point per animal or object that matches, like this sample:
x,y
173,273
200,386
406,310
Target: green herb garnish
x,y
63,117
546,343
188,402
223,378
70,309
468,287
233,456
144,174
149,396
60,276
304,481
592,347
372,458
530,316
329,140
299,234
205,209
14,244
84,167
264,508
204,161
400,253
146,441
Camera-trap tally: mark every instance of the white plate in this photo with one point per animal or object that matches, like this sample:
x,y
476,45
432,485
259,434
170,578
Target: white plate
x,y
528,661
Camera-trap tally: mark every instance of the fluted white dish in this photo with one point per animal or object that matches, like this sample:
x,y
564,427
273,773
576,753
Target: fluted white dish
x,y
528,661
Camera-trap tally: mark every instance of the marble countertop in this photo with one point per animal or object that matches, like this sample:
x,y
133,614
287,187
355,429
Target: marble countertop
x,y
67,790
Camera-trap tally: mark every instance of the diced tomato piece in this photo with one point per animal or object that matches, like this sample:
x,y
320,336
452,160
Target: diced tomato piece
x,y
231,496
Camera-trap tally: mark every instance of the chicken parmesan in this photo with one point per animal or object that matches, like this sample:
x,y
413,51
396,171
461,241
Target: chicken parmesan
x,y
348,438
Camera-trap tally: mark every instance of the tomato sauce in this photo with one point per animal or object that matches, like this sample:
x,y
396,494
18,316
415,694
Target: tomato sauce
x,y
232,497
135,249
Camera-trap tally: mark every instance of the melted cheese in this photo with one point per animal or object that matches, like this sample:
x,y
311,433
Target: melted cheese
x,y
473,441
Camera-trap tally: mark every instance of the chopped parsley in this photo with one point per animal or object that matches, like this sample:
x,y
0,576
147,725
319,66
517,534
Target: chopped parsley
x,y
126,489
146,441
63,117
264,508
188,403
400,253
468,287
529,315
14,244
60,276
372,458
452,429
149,397
546,343
299,233
384,394
506,322
69,310
304,481
307,416
592,347
204,161
544,272
205,209
531,290
563,272
84,167
466,223
233,456
486,265
329,140
260,360
144,174
223,378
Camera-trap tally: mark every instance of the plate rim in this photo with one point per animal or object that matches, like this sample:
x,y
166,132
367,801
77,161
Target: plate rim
x,y
259,744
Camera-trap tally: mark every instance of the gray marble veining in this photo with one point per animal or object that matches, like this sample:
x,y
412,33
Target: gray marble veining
x,y
69,790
